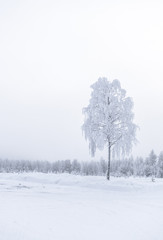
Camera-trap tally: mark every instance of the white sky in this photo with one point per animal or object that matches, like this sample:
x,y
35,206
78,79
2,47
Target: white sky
x,y
50,54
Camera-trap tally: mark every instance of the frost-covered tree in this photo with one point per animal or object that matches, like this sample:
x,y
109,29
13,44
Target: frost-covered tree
x,y
160,166
152,164
76,167
139,167
109,119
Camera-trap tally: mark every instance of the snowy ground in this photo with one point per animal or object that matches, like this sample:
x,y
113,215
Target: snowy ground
x,y
65,207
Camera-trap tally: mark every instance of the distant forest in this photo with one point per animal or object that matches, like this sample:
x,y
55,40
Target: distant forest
x,y
150,166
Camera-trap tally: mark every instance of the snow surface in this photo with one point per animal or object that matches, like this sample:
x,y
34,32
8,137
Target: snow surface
x,y
35,206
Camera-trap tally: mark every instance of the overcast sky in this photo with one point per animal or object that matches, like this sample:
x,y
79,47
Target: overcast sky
x,y
50,54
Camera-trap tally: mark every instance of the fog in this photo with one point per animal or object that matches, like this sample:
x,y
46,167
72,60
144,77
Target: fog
x,y
50,54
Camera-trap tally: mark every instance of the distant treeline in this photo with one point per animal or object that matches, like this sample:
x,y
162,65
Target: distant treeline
x,y
151,166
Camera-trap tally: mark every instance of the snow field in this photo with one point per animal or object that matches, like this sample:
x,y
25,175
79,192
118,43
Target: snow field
x,y
36,206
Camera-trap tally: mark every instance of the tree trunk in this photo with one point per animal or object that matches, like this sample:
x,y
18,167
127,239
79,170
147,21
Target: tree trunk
x,y
109,157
